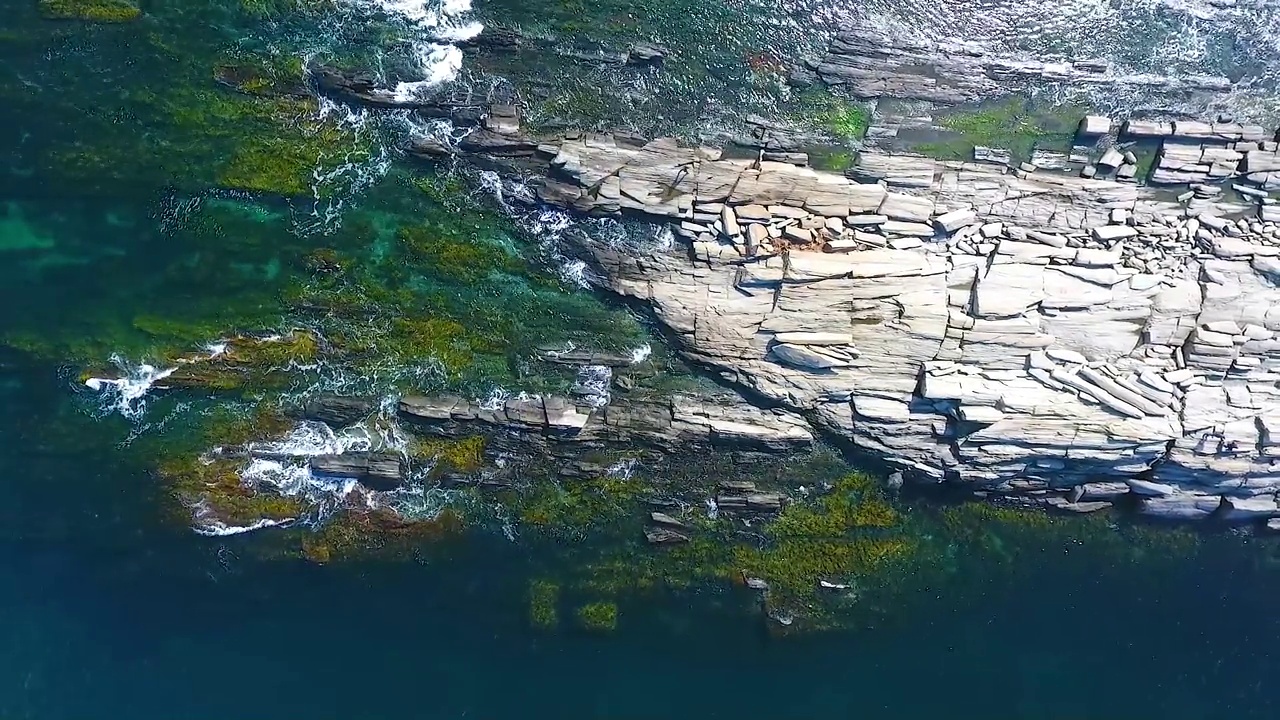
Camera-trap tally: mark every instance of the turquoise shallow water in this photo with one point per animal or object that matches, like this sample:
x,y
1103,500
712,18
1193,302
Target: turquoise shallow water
x,y
121,231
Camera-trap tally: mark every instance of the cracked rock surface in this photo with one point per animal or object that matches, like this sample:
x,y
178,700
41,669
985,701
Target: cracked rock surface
x,y
1074,339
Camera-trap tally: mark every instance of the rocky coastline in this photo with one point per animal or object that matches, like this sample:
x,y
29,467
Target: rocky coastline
x,y
1066,335
872,62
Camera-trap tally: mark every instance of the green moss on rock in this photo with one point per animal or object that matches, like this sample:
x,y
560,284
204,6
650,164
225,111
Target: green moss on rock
x,y
216,484
461,455
576,507
1015,123
841,118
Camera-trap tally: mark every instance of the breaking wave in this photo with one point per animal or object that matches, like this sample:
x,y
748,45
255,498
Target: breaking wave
x,y
433,26
127,394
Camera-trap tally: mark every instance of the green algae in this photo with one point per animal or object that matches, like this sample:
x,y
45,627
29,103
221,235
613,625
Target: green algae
x,y
461,455
272,9
248,126
1015,123
598,617
854,501
247,363
576,508
285,166
846,121
832,161
263,75
216,485
842,119
103,11
357,535
544,599
465,260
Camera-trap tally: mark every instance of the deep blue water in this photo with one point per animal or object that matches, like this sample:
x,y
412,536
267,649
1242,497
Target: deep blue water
x,y
106,614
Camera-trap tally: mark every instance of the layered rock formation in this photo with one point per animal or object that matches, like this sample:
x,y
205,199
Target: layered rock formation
x,y
676,424
1059,335
870,62
1077,339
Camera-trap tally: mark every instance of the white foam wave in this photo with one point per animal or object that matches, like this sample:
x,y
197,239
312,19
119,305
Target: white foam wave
x,y
641,354
204,522
623,469
434,26
309,438
496,399
351,170
127,394
282,465
439,64
592,384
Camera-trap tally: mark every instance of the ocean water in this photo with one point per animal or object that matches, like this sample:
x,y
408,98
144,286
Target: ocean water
x,y
106,612
168,183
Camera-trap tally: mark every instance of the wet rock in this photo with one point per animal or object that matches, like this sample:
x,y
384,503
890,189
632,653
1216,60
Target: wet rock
x,y
1095,125
874,61
494,37
376,471
646,54
677,423
338,411
582,356
428,147
487,142
664,536
1076,339
765,134
360,87
665,520
503,120
744,499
